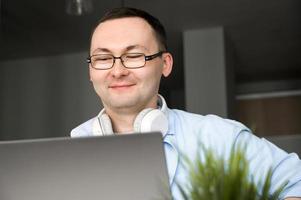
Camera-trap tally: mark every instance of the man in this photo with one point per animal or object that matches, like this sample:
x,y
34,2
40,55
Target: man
x,y
128,57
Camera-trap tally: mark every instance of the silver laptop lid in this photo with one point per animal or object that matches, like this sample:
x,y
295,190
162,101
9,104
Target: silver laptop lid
x,y
127,167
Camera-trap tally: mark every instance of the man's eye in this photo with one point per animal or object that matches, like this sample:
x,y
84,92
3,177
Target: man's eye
x,y
103,58
134,56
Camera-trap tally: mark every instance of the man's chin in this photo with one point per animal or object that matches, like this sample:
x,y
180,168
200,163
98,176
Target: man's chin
x,y
122,104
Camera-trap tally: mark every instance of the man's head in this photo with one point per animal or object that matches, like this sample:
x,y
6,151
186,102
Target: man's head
x,y
127,31
156,25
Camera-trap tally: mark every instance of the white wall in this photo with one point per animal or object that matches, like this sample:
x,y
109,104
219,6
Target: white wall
x,y
208,72
45,96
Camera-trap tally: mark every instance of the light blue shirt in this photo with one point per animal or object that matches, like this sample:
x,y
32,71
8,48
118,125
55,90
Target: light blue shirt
x,y
186,130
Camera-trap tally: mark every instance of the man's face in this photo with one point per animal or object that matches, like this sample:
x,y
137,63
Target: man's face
x,y
119,87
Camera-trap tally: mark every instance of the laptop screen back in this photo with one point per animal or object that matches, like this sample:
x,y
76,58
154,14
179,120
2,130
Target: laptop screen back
x,y
127,167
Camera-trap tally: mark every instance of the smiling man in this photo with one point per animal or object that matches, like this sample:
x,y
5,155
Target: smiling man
x,y
128,57
129,82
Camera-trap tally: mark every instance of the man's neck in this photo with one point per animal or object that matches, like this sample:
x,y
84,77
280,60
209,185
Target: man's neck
x,y
123,119
122,122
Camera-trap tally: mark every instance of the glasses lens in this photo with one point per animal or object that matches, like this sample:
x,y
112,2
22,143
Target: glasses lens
x,y
102,61
133,60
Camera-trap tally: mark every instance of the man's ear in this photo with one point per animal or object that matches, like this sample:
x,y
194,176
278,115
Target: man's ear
x,y
167,64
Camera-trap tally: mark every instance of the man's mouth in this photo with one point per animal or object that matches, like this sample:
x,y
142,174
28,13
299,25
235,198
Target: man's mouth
x,y
121,86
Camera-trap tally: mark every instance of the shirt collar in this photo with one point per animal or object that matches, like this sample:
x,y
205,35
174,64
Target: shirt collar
x,y
171,151
171,122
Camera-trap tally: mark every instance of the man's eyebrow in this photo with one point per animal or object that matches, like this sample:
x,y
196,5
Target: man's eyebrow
x,y
128,48
131,47
101,49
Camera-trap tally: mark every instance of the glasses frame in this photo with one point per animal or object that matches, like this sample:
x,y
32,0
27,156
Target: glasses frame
x,y
146,58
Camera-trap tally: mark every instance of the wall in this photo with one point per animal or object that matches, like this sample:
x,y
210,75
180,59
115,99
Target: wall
x,y
208,72
45,96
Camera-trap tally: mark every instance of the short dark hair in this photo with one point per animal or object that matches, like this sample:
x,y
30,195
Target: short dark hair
x,y
123,12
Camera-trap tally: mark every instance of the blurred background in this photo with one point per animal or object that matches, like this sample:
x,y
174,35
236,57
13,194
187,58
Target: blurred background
x,y
239,59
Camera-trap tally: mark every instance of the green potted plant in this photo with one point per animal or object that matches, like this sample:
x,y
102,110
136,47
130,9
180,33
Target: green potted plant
x,y
214,178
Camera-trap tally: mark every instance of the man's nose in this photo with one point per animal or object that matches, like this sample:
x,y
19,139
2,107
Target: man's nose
x,y
118,68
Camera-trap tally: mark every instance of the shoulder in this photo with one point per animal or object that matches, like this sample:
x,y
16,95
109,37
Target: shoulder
x,y
83,130
212,123
210,130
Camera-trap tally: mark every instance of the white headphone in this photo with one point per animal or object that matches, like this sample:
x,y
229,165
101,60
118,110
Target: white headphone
x,y
147,120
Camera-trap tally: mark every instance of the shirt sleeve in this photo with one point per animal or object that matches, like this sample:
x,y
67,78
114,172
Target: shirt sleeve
x,y
263,155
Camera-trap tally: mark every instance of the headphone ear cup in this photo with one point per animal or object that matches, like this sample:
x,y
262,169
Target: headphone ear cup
x,y
139,119
105,124
150,120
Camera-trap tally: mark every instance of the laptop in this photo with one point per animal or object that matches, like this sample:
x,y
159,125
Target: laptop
x,y
125,167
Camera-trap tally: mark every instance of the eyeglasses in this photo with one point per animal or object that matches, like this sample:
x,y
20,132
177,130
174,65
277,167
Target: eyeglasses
x,y
128,60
